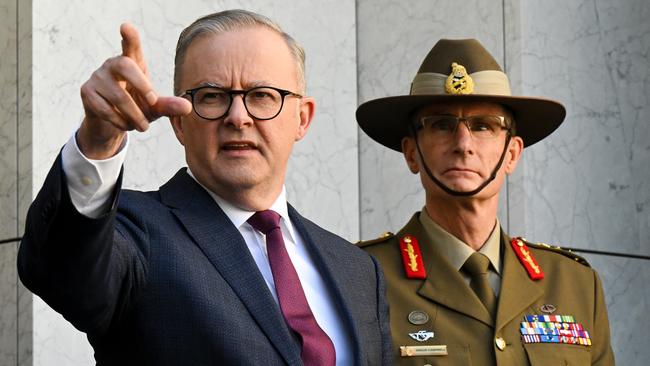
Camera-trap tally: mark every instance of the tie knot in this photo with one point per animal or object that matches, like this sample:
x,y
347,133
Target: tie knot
x,y
476,264
265,221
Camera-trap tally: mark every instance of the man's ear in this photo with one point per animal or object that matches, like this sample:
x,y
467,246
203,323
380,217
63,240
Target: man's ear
x,y
410,154
306,114
515,149
177,125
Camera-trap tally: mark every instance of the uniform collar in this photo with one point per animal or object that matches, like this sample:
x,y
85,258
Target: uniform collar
x,y
454,250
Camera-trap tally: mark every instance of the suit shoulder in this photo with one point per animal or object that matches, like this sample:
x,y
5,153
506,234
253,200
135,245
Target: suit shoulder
x,y
317,231
139,199
558,250
381,239
318,234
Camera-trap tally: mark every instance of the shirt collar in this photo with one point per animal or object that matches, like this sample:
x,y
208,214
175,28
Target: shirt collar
x,y
239,216
454,250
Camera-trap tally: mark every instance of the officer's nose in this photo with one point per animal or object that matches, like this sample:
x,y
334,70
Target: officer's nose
x,y
463,139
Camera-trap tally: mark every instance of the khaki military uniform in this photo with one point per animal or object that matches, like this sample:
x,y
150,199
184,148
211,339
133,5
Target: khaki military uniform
x,y
444,306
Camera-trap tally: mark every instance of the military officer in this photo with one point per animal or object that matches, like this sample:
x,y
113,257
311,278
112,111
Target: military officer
x,y
461,291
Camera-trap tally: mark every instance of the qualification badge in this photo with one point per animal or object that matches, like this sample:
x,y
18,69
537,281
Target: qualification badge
x,y
459,81
422,335
412,257
526,259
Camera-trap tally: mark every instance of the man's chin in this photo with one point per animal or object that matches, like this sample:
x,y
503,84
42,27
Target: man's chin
x,y
462,185
237,182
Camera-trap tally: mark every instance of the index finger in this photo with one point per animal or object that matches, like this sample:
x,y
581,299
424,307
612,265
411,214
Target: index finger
x,y
131,45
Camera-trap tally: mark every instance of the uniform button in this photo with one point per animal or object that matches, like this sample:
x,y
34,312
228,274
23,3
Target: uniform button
x,y
501,343
86,180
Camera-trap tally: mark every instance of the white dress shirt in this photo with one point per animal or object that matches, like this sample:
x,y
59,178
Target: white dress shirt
x,y
91,182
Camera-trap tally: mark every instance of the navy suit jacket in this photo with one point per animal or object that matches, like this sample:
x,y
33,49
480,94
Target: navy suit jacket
x,y
165,278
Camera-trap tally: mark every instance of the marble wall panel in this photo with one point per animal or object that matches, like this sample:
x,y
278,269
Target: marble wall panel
x,y
25,326
8,182
71,39
8,125
588,184
625,282
25,316
393,39
513,210
8,304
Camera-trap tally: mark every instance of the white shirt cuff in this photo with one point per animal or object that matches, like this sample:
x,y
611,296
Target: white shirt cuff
x,y
91,182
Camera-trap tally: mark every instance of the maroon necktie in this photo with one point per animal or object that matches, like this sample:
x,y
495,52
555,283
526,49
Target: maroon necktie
x,y
317,347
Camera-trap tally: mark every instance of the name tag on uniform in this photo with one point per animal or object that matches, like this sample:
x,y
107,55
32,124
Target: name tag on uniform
x,y
411,351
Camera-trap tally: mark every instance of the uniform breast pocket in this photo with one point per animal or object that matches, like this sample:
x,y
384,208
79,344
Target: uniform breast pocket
x,y
558,354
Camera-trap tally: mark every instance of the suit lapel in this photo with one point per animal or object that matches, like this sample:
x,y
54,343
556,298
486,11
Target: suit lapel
x,y
518,291
444,285
224,246
327,262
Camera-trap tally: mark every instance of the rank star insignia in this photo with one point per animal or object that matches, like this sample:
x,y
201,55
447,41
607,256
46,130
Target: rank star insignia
x,y
422,335
459,81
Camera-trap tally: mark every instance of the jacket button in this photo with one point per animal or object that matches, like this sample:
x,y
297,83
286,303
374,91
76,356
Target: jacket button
x,y
501,343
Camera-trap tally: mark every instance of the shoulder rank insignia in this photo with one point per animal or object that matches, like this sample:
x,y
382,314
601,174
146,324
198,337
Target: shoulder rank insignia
x,y
559,250
412,257
382,238
526,259
459,81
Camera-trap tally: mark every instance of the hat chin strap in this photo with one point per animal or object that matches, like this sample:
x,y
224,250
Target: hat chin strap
x,y
461,193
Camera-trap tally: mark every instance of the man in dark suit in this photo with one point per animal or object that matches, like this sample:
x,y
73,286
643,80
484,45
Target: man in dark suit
x,y
215,268
461,291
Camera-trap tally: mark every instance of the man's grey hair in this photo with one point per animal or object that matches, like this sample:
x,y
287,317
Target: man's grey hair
x,y
231,20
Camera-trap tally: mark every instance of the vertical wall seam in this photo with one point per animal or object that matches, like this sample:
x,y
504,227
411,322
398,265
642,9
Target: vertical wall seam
x,y
17,182
17,179
356,56
505,69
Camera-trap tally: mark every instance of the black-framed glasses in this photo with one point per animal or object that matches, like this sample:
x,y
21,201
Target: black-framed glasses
x,y
443,127
262,103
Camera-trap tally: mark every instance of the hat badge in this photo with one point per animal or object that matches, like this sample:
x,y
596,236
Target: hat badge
x,y
459,82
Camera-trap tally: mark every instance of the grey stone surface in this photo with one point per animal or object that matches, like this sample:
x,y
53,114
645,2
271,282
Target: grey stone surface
x,y
625,282
8,305
588,184
8,182
24,297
